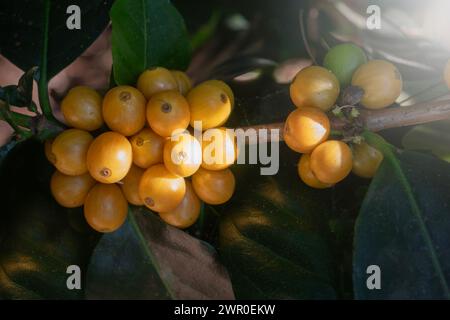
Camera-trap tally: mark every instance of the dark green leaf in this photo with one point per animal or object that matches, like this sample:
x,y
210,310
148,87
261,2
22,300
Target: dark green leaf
x,y
37,241
21,95
273,236
147,259
16,120
434,137
146,34
206,31
21,28
403,227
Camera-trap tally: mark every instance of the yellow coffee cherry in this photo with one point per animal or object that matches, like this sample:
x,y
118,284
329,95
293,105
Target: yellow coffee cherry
x,y
187,212
182,155
48,151
219,149
124,110
210,105
82,108
381,81
105,208
366,160
447,74
109,157
225,87
70,151
184,83
161,190
214,187
331,161
306,128
307,176
70,191
130,185
156,80
168,112
315,87
147,148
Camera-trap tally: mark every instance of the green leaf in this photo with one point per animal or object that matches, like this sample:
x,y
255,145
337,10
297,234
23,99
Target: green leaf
x,y
434,137
147,33
37,238
22,26
206,31
148,259
21,95
274,236
17,121
403,227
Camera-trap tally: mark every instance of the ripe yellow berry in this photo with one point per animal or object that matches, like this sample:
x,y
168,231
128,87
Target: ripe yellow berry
x,y
210,105
366,160
225,87
447,74
109,157
331,161
219,149
214,187
147,148
70,191
306,128
182,155
130,185
161,190
48,151
184,83
187,212
124,110
156,80
105,207
70,150
167,112
82,108
307,176
315,87
381,82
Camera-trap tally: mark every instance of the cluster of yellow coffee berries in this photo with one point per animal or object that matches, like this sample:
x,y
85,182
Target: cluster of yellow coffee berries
x,y
315,91
146,154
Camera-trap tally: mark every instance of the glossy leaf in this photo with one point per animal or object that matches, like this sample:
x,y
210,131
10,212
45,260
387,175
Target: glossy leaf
x,y
21,26
206,31
274,236
433,137
37,239
20,95
148,259
403,228
146,34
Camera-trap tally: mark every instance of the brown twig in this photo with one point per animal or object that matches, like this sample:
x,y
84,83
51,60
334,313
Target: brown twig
x,y
378,120
407,116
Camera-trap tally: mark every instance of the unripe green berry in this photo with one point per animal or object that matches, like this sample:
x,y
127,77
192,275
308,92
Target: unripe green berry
x,y
343,60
